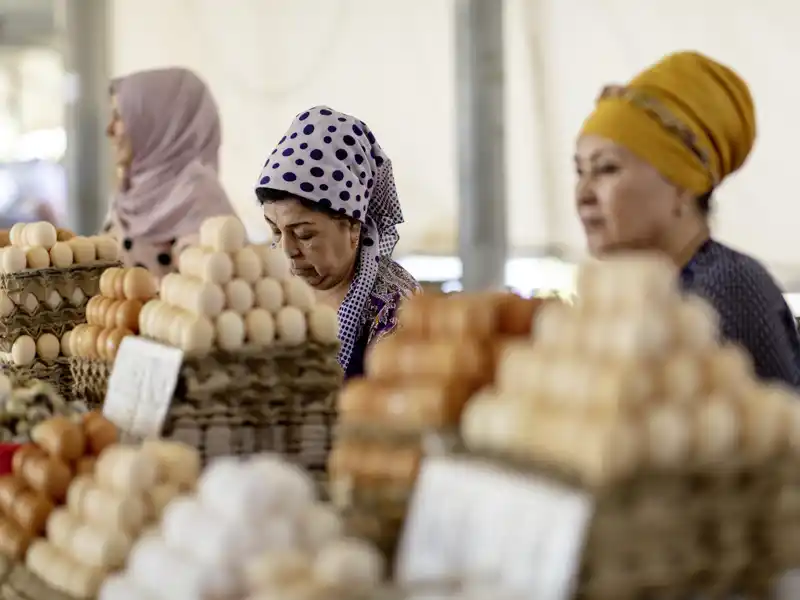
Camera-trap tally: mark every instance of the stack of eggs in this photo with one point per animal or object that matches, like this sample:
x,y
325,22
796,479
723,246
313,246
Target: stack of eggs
x,y
45,278
23,405
112,315
42,473
631,393
636,372
418,381
228,294
252,524
107,509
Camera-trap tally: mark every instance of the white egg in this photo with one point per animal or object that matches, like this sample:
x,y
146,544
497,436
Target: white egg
x,y
269,294
290,323
323,324
298,293
349,562
23,350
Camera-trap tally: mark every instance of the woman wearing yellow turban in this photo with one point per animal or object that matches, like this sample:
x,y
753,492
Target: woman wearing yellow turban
x,y
648,159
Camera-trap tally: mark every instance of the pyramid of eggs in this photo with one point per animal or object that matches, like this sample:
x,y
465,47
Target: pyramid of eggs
x,y
259,369
253,529
46,276
107,508
630,393
418,381
42,473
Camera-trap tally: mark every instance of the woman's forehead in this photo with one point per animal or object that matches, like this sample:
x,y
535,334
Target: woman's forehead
x,y
290,212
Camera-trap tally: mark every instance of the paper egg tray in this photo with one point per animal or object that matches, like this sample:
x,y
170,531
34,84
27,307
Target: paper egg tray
x,y
39,283
275,399
56,372
21,584
674,535
89,380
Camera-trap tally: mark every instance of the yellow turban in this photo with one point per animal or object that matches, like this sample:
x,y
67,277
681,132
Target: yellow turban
x,y
687,115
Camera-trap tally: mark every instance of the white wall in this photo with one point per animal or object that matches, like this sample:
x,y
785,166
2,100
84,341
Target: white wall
x,y
392,64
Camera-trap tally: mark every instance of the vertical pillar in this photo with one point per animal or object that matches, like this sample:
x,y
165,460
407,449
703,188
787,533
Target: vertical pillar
x,y
85,40
481,143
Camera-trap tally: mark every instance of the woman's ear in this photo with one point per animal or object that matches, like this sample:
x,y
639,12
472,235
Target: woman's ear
x,y
355,234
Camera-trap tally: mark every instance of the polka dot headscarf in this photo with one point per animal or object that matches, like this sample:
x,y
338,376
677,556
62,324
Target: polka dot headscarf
x,y
333,159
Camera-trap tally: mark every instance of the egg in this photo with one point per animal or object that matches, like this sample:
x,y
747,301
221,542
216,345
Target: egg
x,y
87,341
106,247
61,255
668,436
101,342
36,257
717,429
290,323
14,259
239,296
275,262
114,340
48,347
269,294
138,284
197,335
53,299
23,350
323,324
247,265
92,316
223,233
697,324
102,310
7,306
15,234
298,293
127,315
66,347
83,250
40,234
259,327
77,296
74,340
110,316
107,280
230,330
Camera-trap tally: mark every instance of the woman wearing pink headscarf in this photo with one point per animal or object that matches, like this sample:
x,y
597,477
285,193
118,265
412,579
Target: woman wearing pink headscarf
x,y
166,134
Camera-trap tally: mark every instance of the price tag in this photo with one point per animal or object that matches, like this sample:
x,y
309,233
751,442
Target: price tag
x,y
141,386
472,521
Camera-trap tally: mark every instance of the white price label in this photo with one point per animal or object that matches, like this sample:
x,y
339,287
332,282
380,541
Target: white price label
x,y
472,521
141,386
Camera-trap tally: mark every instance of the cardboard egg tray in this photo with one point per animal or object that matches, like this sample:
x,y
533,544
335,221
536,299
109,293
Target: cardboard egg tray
x,y
21,584
56,372
275,399
30,290
715,535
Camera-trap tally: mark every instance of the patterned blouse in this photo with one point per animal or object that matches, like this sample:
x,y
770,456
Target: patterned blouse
x,y
751,306
392,285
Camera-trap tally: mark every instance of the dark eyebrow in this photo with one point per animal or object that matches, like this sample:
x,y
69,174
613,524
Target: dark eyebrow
x,y
289,225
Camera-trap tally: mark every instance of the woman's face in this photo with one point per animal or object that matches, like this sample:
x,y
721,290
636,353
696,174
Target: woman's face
x,y
115,130
322,250
622,201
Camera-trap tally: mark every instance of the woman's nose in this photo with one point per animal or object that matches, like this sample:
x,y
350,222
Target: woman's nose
x,y
584,193
289,246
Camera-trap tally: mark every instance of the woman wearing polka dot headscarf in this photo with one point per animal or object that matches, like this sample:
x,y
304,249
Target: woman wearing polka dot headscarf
x,y
329,197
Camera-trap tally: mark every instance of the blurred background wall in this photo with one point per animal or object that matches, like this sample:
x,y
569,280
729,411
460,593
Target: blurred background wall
x,y
393,64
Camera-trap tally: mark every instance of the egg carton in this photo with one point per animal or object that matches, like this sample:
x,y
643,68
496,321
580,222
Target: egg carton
x,y
89,379
41,281
55,373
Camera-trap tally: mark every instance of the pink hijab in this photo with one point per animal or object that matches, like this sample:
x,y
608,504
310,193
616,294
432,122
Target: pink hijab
x,y
173,124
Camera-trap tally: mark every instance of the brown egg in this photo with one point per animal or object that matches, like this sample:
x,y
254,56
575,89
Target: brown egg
x,y
128,315
87,341
119,284
91,309
101,343
110,321
516,314
107,280
102,310
113,341
139,284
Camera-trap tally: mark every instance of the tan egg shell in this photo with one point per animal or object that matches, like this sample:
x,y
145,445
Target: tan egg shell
x,y
269,294
198,335
23,350
101,342
83,250
15,234
291,326
323,324
87,341
230,330
48,347
223,233
114,340
106,247
239,296
66,347
127,315
40,234
107,281
247,265
298,293
259,327
14,259
138,284
61,255
110,316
